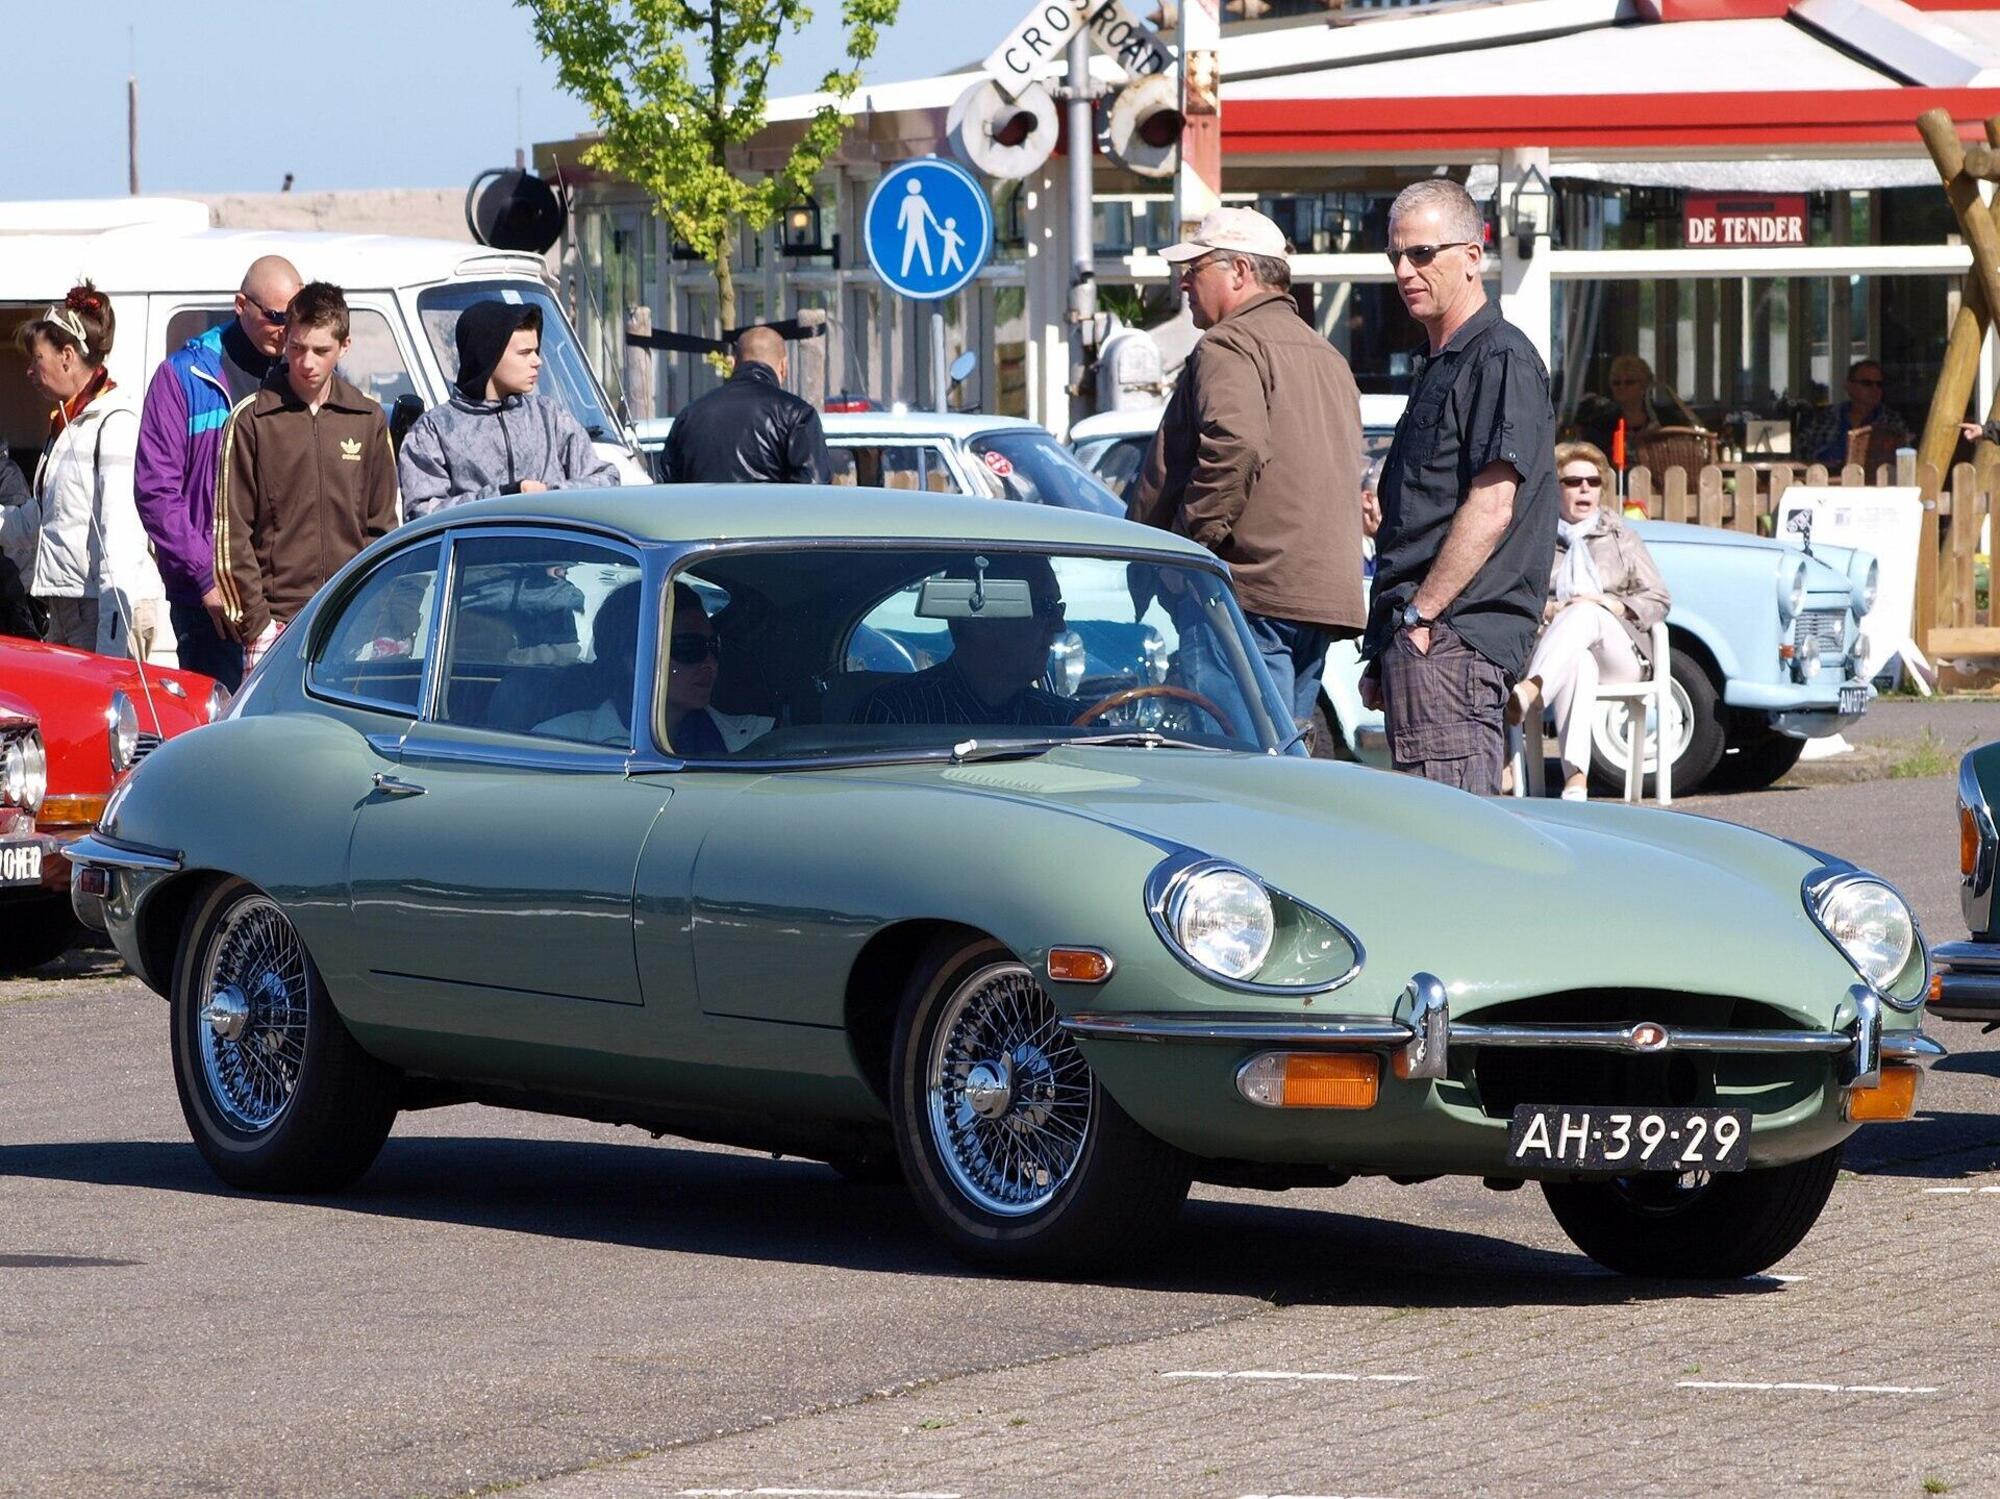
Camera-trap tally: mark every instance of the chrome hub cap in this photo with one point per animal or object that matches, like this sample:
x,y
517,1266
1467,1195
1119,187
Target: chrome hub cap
x,y
252,1036
1009,1094
227,1013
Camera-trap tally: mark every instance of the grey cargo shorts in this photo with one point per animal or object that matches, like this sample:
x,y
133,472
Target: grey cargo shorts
x,y
1445,711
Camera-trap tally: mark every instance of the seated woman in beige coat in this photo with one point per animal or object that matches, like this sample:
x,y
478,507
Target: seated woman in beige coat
x,y
1605,596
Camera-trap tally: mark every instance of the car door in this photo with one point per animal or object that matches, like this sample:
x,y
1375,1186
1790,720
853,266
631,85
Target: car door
x,y
491,870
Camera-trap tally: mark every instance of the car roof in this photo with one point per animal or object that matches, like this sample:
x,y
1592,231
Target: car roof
x,y
957,425
683,513
168,258
1377,411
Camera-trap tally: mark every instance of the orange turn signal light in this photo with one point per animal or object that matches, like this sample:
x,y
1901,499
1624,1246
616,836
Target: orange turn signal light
x,y
1937,987
1079,965
71,811
1312,1079
1895,1097
1968,841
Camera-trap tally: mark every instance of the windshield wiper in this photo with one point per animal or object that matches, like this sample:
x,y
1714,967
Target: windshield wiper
x,y
1020,749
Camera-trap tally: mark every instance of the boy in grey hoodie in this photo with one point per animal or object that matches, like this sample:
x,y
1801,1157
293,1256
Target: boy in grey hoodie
x,y
495,435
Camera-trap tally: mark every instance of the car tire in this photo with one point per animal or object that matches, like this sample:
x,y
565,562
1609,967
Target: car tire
x,y
1699,706
1758,762
1705,1227
1016,1155
277,1094
36,931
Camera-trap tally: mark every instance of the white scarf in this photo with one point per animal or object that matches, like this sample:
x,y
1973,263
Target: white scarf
x,y
1579,568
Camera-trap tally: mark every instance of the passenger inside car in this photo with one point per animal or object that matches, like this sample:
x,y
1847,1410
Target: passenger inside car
x,y
614,639
695,727
991,674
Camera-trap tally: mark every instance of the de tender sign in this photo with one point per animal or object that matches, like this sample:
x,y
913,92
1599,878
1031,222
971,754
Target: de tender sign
x,y
928,229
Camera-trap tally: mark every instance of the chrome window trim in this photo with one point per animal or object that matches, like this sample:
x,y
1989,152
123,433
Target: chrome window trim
x,y
328,615
1171,875
1820,882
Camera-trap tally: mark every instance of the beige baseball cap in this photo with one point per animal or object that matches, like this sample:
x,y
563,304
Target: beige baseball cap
x,y
1243,230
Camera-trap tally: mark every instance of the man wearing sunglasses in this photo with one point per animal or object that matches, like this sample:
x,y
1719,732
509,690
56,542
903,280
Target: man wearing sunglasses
x,y
1468,502
1823,433
179,453
1258,458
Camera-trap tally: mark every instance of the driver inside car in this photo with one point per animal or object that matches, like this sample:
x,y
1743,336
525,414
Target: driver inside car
x,y
993,673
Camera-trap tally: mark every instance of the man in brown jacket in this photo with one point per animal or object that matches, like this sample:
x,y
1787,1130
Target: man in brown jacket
x,y
1259,459
306,480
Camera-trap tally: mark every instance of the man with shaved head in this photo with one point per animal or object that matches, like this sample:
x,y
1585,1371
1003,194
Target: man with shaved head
x,y
180,444
750,430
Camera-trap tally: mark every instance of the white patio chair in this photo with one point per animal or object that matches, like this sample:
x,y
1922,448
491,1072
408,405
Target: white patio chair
x,y
1650,700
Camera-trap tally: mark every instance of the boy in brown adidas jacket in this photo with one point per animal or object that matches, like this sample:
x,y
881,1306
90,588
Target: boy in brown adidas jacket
x,y
306,480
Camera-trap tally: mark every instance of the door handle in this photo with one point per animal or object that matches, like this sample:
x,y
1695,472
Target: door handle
x,y
390,786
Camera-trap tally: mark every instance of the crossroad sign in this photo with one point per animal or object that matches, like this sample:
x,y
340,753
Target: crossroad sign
x,y
928,229
1047,29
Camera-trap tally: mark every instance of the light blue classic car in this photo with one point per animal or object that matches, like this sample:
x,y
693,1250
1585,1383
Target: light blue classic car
x,y
1766,639
581,803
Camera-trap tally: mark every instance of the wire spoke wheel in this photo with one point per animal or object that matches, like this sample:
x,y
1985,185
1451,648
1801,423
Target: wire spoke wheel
x,y
251,1030
1009,1095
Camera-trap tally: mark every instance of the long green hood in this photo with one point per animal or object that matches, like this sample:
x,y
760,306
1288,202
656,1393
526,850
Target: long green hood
x,y
1501,898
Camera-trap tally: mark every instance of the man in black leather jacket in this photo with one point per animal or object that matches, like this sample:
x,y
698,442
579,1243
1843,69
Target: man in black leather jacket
x,y
750,430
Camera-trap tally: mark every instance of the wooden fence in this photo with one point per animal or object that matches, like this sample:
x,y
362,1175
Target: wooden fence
x,y
1952,618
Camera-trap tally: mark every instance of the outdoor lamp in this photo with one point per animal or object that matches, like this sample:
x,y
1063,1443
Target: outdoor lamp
x,y
1531,210
798,232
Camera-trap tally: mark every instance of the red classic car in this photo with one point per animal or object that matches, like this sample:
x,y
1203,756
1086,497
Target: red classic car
x,y
71,725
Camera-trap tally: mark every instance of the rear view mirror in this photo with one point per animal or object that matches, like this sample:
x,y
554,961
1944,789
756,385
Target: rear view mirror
x,y
963,366
975,598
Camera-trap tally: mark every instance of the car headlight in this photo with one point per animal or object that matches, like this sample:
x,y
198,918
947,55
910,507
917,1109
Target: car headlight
x,y
1221,918
122,721
35,761
1791,589
1871,584
218,702
1869,922
1066,663
14,774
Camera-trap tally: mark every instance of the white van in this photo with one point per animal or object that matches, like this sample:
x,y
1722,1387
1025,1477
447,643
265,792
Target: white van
x,y
170,277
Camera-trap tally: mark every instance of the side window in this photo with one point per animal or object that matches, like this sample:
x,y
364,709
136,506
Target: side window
x,y
192,322
893,466
377,646
543,633
374,364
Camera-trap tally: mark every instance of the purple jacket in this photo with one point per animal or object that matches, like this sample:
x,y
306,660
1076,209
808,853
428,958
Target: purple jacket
x,y
180,445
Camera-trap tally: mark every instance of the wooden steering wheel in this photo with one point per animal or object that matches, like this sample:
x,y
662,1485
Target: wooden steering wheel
x,y
1133,694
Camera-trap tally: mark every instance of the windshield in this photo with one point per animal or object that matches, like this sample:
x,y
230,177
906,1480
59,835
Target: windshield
x,y
565,377
1033,466
910,652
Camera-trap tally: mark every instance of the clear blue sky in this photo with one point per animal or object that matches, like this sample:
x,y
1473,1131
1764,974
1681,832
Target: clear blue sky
x,y
342,93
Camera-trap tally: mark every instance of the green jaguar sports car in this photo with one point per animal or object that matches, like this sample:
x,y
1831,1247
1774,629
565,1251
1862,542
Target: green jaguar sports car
x,y
799,820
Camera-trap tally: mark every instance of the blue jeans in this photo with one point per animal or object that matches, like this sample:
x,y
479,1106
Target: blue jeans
x,y
1294,655
201,649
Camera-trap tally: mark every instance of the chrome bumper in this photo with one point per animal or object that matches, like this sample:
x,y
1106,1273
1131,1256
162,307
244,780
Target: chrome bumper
x,y
1968,975
95,851
1422,1033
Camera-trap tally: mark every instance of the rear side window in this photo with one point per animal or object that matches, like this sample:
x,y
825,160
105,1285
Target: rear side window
x,y
892,466
378,644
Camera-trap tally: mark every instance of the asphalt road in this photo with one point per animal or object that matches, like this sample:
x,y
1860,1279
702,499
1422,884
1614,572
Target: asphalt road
x,y
579,1311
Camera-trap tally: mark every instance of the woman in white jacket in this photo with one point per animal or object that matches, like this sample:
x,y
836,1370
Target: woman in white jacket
x,y
78,541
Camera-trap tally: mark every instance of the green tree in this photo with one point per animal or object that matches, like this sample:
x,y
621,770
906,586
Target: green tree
x,y
674,85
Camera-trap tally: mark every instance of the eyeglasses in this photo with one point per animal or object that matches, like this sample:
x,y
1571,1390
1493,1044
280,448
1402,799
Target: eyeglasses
x,y
1422,255
1875,380
275,319
1195,267
692,649
1582,481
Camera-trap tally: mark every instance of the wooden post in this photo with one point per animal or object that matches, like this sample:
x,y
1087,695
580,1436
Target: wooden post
x,y
1744,516
1964,542
1959,372
1710,496
1925,613
639,365
1675,504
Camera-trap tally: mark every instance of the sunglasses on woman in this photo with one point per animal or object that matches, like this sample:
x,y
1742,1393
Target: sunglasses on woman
x,y
1582,481
692,650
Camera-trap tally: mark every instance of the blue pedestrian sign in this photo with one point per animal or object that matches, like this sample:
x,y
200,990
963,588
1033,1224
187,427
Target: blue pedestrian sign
x,y
929,228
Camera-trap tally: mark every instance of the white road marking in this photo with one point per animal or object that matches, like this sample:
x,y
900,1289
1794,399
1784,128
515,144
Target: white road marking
x,y
1824,1389
1961,1191
1290,1374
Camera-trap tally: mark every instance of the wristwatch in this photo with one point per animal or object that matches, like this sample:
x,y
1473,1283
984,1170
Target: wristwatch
x,y
1412,619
